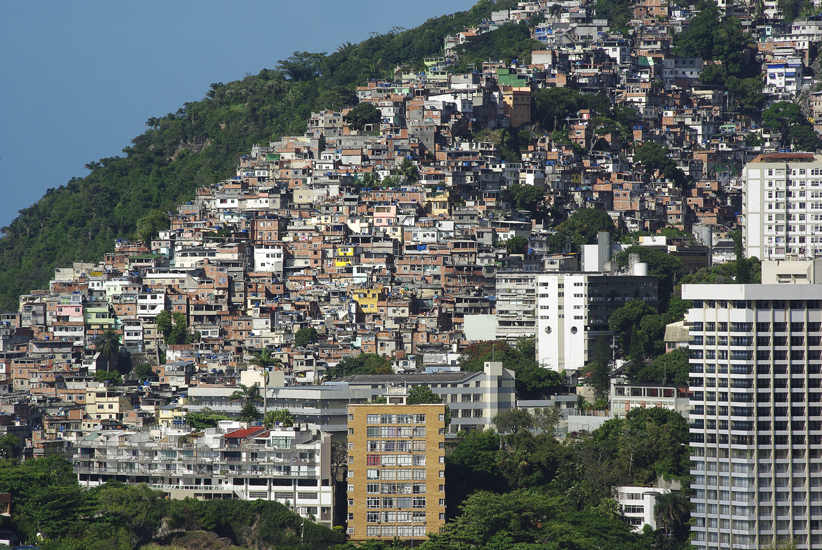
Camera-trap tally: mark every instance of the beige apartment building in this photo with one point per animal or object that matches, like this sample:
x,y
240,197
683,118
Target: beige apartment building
x,y
396,470
106,403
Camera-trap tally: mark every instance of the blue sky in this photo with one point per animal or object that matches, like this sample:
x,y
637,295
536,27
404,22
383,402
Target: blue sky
x,y
78,80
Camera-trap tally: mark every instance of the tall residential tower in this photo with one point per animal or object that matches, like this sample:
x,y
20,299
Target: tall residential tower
x,y
756,414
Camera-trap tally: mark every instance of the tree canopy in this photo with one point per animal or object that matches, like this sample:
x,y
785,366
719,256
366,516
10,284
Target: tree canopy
x,y
364,363
794,128
533,381
581,229
654,157
51,509
712,37
364,113
305,336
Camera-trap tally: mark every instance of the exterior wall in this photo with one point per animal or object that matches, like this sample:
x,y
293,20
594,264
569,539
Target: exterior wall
x,y
756,414
782,208
625,397
573,311
378,441
286,465
516,304
637,505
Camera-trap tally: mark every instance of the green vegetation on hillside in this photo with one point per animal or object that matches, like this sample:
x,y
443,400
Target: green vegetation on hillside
x,y
511,42
51,509
200,144
533,381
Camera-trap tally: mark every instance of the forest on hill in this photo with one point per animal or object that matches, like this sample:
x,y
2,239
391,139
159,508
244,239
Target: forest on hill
x,y
50,509
200,144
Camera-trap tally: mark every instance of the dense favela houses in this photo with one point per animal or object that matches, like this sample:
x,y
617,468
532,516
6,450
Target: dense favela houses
x,y
359,260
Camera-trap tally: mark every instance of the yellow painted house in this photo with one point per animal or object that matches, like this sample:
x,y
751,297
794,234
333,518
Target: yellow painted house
x,y
369,298
344,256
437,204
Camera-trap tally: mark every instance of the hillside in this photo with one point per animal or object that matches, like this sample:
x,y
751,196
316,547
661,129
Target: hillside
x,y
200,144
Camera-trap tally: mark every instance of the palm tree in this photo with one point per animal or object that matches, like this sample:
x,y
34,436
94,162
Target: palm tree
x,y
108,345
246,394
265,360
671,511
407,171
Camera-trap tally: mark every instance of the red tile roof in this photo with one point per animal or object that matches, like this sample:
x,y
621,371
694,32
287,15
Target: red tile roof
x,y
247,432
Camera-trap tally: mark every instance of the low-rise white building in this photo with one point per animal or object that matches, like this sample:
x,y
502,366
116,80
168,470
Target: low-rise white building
x,y
637,505
625,397
289,465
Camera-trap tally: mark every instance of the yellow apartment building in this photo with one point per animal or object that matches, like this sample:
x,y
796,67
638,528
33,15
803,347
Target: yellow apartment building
x,y
368,299
396,470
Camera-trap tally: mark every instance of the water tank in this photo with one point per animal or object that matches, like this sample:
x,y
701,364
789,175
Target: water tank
x,y
641,269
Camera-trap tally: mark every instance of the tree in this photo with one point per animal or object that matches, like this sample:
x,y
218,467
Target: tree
x,y
143,371
174,327
250,413
301,66
660,264
150,225
112,377
712,38
671,511
532,380
804,138
179,332
407,171
624,319
547,419
617,12
598,372
164,323
516,245
8,444
513,420
654,157
246,394
364,363
364,113
137,507
581,228
528,197
204,419
743,267
369,179
305,336
108,345
282,415
713,74
671,368
530,519
746,94
471,466
793,126
265,361
422,394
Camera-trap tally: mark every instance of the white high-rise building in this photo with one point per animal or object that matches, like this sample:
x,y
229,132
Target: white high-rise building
x,y
756,415
573,311
782,206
